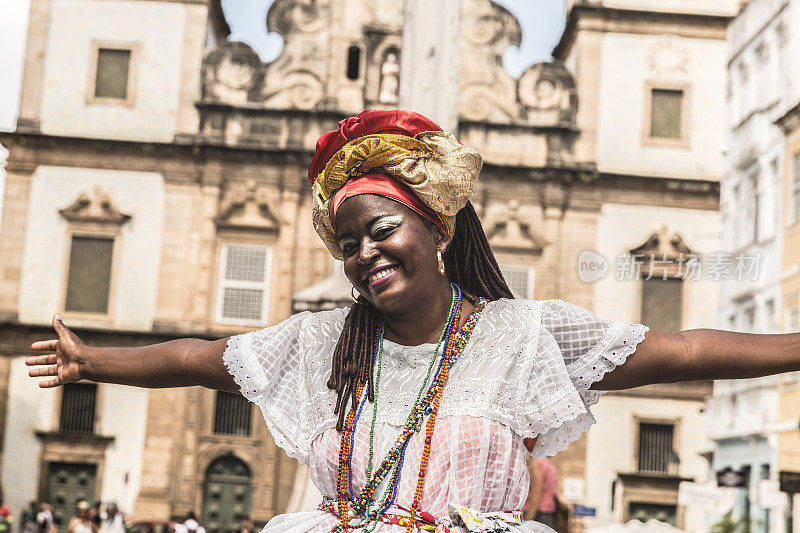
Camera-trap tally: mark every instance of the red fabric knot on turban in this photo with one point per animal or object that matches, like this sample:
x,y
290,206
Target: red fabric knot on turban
x,y
369,122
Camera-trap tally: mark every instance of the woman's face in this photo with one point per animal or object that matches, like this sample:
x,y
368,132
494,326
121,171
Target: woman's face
x,y
389,252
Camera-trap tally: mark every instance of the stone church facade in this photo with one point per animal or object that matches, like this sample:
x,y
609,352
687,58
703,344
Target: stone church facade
x,y
157,189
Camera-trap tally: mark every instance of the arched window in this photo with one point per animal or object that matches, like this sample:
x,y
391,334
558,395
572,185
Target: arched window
x,y
226,494
353,62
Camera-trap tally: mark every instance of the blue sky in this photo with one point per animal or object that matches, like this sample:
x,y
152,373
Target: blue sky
x,y
542,22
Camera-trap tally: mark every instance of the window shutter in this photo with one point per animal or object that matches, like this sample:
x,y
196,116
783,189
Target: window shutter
x,y
112,73
89,279
665,114
655,446
232,414
244,284
520,280
78,401
662,303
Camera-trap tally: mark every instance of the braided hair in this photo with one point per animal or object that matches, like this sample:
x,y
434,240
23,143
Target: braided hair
x,y
469,262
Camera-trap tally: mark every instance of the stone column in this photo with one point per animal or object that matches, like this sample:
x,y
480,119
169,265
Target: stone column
x,y
33,76
553,200
430,62
203,244
12,240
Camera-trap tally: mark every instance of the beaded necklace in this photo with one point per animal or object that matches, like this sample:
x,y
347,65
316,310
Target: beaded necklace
x,y
394,459
385,503
426,405
378,358
390,494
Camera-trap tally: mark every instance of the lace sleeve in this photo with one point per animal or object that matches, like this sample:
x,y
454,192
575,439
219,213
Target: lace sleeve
x,y
585,348
268,367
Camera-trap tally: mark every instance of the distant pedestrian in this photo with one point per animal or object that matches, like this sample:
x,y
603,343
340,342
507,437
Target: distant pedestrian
x,y
541,502
80,522
94,514
245,525
113,520
5,518
28,519
192,525
44,519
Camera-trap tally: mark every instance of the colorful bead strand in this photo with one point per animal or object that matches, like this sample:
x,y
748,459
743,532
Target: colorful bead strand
x,y
453,350
351,506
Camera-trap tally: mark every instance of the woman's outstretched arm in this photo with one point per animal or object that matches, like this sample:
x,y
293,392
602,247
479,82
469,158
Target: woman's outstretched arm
x,y
701,354
178,363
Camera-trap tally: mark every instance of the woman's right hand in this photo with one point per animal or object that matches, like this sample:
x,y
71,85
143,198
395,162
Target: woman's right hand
x,y
64,363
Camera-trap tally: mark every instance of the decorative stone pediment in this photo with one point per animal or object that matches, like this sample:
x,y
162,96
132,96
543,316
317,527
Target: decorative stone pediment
x,y
661,244
511,229
544,95
248,207
96,207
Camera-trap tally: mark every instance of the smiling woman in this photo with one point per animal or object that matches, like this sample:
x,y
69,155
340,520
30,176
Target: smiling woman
x,y
416,408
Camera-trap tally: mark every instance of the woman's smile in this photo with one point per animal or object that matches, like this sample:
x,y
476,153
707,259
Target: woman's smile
x,y
380,276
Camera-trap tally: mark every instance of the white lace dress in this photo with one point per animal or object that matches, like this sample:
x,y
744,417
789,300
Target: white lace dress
x,y
525,372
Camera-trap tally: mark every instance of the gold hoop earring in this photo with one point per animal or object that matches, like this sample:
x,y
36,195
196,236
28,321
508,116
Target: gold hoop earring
x,y
441,262
353,296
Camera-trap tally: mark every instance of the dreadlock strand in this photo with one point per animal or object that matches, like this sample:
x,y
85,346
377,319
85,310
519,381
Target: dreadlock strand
x,y
352,358
469,259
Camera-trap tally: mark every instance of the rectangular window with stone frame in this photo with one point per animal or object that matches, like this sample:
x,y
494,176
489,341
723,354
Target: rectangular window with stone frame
x,y
792,314
89,277
243,284
794,190
666,115
112,73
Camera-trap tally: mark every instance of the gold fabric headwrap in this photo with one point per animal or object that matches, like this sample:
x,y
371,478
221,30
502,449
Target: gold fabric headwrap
x,y
440,170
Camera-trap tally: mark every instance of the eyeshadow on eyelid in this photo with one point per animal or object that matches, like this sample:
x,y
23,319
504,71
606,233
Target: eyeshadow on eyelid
x,y
392,220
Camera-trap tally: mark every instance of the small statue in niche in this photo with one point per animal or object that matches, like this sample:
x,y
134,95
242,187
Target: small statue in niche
x,y
390,80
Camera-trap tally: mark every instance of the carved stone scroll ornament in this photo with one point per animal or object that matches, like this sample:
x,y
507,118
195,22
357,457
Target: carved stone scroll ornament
x,y
97,207
487,91
544,95
547,92
293,79
232,73
299,90
297,16
250,207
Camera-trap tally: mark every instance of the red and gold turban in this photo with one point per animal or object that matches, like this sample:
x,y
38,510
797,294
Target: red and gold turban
x,y
430,171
